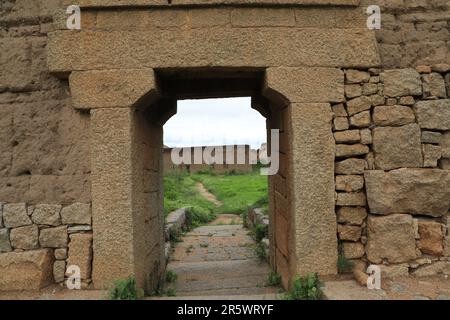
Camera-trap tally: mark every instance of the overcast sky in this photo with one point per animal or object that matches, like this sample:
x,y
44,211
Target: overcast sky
x,y
210,122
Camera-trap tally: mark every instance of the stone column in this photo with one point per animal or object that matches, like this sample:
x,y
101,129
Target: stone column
x,y
127,234
306,230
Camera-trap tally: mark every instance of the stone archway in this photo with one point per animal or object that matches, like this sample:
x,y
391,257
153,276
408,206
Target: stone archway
x,y
115,75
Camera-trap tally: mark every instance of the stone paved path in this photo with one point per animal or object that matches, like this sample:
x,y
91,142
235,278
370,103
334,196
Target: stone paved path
x,y
218,260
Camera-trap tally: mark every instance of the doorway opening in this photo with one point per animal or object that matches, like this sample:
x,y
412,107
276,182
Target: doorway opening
x,y
216,199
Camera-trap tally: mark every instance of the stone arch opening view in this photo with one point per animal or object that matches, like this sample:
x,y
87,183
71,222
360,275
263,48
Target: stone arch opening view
x,y
356,115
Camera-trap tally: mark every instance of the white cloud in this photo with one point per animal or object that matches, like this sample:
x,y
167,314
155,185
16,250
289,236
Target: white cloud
x,y
212,122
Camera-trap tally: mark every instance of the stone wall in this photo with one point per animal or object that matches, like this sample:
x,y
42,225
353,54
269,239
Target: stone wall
x,y
414,32
40,241
392,169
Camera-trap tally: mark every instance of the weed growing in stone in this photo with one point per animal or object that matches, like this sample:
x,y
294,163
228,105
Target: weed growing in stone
x,y
273,279
306,288
171,276
260,252
125,289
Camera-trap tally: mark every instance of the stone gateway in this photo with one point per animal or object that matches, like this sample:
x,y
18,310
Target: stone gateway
x,y
363,118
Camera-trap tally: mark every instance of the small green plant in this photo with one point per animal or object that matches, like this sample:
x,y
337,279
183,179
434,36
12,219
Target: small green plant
x,y
306,288
260,252
244,216
174,236
273,279
204,245
261,232
170,292
189,249
344,265
171,276
125,289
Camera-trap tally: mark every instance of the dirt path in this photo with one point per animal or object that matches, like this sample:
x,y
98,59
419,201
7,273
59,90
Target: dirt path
x,y
208,195
219,261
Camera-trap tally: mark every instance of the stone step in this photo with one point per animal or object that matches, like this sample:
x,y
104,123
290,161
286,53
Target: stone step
x,y
237,297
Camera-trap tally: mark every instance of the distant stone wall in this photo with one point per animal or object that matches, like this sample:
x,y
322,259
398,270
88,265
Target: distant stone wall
x,y
243,167
393,169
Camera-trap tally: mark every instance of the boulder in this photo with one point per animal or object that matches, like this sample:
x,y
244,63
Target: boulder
x,y
393,115
77,213
25,238
352,215
53,237
15,215
80,253
28,270
433,114
431,237
391,239
401,82
414,191
397,147
47,214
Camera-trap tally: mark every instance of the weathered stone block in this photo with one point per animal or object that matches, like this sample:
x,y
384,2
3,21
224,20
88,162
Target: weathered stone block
x,y
356,199
431,237
29,270
394,271
80,253
47,214
414,191
77,213
396,147
431,155
350,166
370,88
445,145
353,250
390,239
25,237
393,115
351,150
297,85
433,85
431,137
352,90
348,136
61,254
366,136
361,120
340,123
433,114
401,82
439,267
349,233
53,237
339,110
15,215
59,271
358,105
5,245
352,215
349,183
356,76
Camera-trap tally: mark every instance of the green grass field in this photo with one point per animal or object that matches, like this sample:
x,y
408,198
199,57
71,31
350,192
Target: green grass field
x,y
237,192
